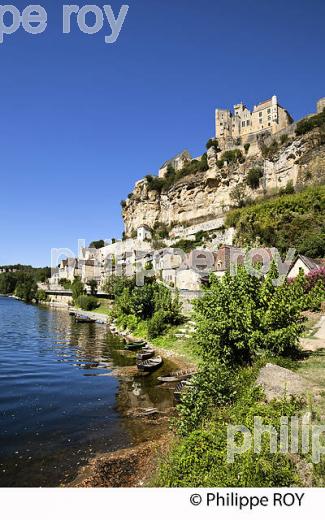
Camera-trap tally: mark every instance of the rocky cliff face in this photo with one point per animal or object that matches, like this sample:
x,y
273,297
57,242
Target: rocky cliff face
x,y
209,195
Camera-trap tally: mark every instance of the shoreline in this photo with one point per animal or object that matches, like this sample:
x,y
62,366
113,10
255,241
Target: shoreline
x,y
124,467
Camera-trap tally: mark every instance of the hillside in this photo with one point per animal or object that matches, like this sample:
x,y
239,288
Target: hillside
x,y
208,188
295,220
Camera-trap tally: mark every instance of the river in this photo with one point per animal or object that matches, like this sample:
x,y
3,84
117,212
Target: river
x,y
61,402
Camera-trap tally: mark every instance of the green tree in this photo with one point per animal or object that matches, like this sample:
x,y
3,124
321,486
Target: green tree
x,y
77,288
93,284
97,244
241,315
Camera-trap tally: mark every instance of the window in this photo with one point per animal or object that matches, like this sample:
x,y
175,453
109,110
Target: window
x,y
269,111
261,113
243,123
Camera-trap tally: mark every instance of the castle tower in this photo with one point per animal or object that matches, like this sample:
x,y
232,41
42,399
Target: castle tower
x,y
320,105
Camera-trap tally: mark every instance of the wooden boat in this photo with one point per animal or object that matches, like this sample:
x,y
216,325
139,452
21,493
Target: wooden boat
x,y
149,365
180,387
83,319
173,377
145,353
135,345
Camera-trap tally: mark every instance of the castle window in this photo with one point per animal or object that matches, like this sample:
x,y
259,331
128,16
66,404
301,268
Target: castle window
x,y
261,113
243,123
269,111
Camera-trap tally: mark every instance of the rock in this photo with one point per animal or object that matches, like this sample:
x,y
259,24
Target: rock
x,y
206,195
279,382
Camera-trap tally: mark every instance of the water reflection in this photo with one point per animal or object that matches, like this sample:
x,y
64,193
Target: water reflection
x,y
61,400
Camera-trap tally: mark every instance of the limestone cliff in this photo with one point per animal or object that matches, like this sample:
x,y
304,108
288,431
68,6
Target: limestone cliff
x,y
208,195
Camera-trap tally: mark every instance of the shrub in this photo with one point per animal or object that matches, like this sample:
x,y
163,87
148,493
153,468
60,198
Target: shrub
x,y
308,124
213,385
247,147
284,138
123,203
66,284
296,219
200,459
241,315
97,244
232,156
157,324
288,189
26,289
213,143
86,303
315,276
93,284
220,163
253,177
41,295
77,288
237,194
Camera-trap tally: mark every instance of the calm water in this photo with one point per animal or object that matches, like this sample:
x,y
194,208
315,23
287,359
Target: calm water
x,y
60,404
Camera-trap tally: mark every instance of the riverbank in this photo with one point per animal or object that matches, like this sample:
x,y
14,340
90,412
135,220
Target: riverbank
x,y
124,467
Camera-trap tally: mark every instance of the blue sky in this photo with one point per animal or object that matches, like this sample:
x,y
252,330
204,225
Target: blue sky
x,y
82,120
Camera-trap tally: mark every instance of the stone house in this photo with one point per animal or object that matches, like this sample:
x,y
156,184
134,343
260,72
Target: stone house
x,y
144,233
178,162
306,264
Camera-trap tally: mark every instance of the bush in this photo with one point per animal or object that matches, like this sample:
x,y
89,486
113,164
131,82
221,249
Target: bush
x,y
93,284
288,189
41,295
97,244
157,325
213,143
213,385
65,283
308,124
153,302
241,315
284,138
26,289
86,303
253,177
247,147
296,219
200,459
314,277
232,156
77,288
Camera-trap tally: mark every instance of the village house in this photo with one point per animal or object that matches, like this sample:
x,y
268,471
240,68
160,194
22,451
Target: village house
x,y
144,233
306,264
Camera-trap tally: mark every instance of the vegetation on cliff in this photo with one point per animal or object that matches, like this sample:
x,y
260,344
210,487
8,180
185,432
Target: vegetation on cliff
x,y
309,123
295,220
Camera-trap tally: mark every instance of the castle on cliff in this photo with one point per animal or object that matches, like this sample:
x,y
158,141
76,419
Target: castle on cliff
x,y
242,124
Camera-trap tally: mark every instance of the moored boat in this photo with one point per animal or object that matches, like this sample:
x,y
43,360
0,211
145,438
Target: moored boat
x,y
173,377
136,345
149,365
180,387
145,353
79,318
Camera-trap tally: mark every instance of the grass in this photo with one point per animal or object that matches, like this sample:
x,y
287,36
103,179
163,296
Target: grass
x,y
105,307
182,346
